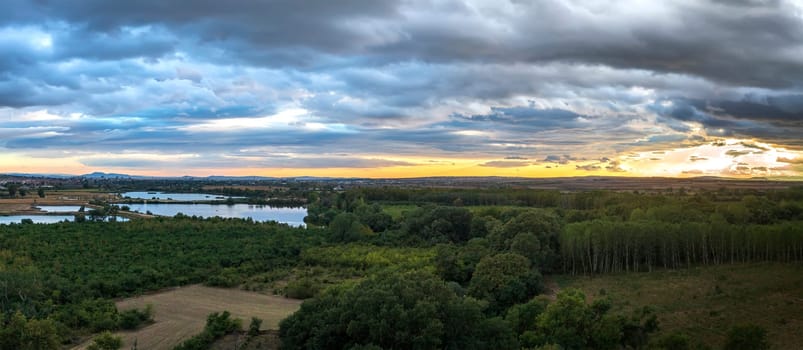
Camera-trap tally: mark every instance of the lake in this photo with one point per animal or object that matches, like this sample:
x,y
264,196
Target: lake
x,y
176,196
61,208
41,219
290,216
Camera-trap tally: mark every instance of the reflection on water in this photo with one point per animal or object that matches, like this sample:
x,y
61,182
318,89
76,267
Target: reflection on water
x,y
60,208
290,216
176,196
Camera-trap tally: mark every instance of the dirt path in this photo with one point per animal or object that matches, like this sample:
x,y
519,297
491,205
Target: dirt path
x,y
181,313
551,289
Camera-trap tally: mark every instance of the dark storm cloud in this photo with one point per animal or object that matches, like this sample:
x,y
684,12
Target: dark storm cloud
x,y
453,78
714,39
772,118
263,161
529,117
115,45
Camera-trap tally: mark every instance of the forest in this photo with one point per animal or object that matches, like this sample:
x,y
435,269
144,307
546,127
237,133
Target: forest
x,y
453,268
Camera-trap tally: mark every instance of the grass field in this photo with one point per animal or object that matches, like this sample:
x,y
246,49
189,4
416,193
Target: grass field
x,y
704,302
181,313
397,210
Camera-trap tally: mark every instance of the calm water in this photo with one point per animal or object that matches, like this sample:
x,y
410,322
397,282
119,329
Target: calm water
x,y
291,216
41,219
176,196
60,208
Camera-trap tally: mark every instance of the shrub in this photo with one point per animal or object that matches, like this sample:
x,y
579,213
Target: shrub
x,y
106,341
253,328
747,337
131,319
303,288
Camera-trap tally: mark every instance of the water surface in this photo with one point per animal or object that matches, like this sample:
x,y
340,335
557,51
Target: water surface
x,y
61,208
176,196
261,213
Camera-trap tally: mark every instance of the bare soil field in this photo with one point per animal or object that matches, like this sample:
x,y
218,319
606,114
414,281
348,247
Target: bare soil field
x,y
181,313
23,205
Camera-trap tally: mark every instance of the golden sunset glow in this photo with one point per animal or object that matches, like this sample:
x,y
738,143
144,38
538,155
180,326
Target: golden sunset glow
x,y
727,157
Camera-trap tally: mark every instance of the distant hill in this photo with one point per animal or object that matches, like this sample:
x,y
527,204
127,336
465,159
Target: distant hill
x,y
102,175
51,176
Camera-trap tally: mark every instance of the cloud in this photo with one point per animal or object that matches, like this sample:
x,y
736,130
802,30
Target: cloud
x,y
615,166
505,164
588,167
737,153
790,161
400,77
264,161
610,166
559,159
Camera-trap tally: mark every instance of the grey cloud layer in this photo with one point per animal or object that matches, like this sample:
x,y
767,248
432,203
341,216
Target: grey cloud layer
x,y
453,78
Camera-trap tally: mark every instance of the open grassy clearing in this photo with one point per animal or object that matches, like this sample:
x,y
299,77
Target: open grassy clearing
x,y
397,210
181,313
704,302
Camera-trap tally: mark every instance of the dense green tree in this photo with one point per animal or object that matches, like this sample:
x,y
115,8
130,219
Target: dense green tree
x,y
573,324
12,189
439,223
527,244
542,224
457,263
504,280
524,317
21,333
346,227
374,217
393,310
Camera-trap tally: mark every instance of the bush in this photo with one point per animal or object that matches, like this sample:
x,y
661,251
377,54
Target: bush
x,y
131,319
674,341
253,328
303,288
217,325
222,281
106,341
747,337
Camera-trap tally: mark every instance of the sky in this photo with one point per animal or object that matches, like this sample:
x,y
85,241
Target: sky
x,y
407,88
